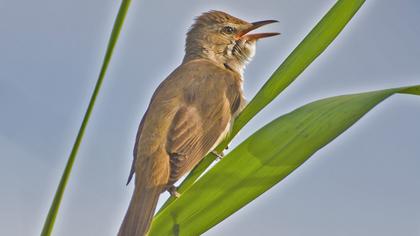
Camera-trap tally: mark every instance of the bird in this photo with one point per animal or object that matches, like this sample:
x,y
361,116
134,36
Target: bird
x,y
190,112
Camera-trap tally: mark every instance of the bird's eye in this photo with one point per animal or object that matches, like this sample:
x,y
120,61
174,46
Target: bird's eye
x,y
228,30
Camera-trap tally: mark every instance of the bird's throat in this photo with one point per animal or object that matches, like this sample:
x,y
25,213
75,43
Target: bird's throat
x,y
233,57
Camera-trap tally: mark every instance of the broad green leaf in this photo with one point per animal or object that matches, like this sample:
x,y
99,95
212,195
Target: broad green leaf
x,y
263,160
55,205
307,51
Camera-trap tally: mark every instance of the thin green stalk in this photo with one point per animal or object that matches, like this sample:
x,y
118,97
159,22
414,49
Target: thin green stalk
x,y
52,214
302,56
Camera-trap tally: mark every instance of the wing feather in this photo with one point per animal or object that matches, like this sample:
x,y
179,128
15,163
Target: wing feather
x,y
189,114
192,136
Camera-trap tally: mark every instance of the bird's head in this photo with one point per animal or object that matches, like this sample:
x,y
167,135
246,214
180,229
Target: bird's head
x,y
224,39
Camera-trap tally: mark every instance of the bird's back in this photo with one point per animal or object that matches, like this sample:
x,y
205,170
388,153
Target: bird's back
x,y
190,112
197,85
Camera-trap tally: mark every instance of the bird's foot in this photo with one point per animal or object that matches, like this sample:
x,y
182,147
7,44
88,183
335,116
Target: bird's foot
x,y
173,191
218,155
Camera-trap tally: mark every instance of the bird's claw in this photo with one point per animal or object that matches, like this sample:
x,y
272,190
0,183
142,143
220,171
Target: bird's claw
x,y
173,191
218,155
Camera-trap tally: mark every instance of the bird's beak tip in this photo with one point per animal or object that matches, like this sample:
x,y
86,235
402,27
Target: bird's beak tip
x,y
264,22
256,25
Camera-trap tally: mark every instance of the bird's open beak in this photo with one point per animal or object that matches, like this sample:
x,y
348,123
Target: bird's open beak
x,y
255,25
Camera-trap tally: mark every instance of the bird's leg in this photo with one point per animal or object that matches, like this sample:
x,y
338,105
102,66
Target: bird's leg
x,y
173,191
218,155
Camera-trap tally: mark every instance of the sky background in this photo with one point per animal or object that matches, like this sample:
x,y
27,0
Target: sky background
x,y
366,182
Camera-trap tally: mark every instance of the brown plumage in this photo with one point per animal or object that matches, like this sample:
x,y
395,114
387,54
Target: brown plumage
x,y
190,112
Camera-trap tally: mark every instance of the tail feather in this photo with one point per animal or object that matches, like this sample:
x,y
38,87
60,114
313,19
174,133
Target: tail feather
x,y
140,212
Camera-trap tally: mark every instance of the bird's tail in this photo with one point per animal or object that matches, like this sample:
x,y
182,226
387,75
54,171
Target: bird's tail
x,y
140,211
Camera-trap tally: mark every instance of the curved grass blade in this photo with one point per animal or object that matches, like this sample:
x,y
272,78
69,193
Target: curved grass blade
x,y
263,160
52,213
307,51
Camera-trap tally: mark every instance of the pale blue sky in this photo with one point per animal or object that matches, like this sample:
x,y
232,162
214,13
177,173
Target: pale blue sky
x,y
366,182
